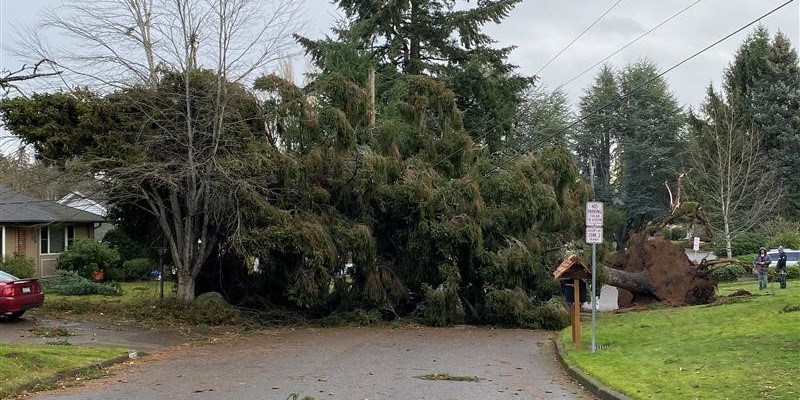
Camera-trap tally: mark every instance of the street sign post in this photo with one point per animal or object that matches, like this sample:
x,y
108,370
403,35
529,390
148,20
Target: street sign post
x,y
594,235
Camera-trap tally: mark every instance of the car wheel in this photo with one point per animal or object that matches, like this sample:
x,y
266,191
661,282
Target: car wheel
x,y
15,315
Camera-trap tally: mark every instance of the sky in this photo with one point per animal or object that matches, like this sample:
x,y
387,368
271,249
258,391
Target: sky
x,y
541,28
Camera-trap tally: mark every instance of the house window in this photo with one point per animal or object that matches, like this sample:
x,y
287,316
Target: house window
x,y
52,239
70,235
43,240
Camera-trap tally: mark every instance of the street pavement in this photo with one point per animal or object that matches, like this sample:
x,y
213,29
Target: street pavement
x,y
344,364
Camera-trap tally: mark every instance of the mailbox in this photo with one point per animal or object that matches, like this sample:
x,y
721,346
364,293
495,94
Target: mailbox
x,y
572,273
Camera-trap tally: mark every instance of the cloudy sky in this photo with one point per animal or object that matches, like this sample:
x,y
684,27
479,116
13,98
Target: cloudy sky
x,y
541,28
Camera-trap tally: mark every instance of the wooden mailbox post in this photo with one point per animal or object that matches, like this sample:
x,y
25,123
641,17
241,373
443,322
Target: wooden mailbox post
x,y
571,273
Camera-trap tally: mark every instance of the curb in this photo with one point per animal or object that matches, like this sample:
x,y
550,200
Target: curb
x,y
72,373
591,384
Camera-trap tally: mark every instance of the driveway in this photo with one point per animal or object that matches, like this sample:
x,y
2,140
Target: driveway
x,y
29,330
345,364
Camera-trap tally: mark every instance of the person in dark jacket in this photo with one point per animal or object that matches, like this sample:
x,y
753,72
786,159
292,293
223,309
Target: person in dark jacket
x,y
781,266
761,265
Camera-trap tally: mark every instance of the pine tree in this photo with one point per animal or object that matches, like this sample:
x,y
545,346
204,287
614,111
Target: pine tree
x,y
651,151
747,68
598,132
775,105
434,38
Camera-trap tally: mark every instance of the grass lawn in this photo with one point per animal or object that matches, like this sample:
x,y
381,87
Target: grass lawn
x,y
140,304
746,349
26,364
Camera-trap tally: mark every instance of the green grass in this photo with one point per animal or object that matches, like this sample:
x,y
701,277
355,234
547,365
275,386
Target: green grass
x,y
140,304
27,364
743,349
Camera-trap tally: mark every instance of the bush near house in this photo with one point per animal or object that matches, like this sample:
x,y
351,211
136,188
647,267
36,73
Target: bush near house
x,y
728,273
18,266
85,256
131,270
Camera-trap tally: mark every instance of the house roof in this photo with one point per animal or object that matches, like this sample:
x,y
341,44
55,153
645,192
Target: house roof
x,y
76,199
16,207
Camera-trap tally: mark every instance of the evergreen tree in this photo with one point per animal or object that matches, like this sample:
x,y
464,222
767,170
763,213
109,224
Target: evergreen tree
x,y
650,147
434,38
742,75
598,132
775,105
542,118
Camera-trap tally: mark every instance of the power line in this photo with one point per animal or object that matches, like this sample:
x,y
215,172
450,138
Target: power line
x,y
628,44
622,96
577,37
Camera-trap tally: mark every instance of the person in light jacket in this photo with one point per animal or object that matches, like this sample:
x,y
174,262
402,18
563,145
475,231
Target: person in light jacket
x,y
761,265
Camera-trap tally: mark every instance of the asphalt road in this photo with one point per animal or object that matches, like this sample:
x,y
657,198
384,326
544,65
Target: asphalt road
x,y
345,364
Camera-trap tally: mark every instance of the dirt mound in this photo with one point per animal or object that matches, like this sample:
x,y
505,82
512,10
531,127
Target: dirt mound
x,y
740,293
656,267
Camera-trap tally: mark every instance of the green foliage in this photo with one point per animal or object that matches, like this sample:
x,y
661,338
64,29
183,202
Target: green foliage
x,y
550,315
746,259
443,305
728,273
18,266
125,245
792,272
787,239
674,232
746,243
650,123
85,256
130,270
72,284
597,133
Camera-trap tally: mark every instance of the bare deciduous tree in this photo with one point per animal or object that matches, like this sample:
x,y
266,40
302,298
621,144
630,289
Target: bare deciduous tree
x,y
9,79
123,44
731,175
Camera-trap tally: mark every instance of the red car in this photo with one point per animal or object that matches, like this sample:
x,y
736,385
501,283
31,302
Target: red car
x,y
18,295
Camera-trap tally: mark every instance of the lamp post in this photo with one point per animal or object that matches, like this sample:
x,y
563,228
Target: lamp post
x,y
161,251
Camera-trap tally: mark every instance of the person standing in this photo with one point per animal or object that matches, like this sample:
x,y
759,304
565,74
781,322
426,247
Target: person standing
x,y
781,266
761,264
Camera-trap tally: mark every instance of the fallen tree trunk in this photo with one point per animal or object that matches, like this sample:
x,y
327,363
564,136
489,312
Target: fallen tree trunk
x,y
658,269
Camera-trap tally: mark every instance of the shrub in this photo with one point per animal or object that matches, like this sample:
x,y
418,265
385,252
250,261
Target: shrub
x,y
72,284
746,259
85,256
728,273
792,272
745,243
131,270
127,247
788,239
18,266
674,233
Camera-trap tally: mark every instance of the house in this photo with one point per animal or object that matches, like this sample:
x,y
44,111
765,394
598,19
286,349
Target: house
x,y
41,229
76,199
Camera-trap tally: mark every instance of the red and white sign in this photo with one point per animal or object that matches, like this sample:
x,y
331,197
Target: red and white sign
x,y
594,234
594,213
